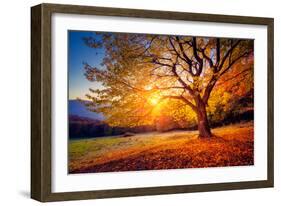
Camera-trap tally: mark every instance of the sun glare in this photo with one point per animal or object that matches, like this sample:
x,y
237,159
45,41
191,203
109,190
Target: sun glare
x,y
154,100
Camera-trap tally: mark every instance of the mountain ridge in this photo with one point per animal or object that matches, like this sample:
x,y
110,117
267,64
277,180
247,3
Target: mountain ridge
x,y
76,108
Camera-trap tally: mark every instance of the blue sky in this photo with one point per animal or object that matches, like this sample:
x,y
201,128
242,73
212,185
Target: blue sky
x,y
79,52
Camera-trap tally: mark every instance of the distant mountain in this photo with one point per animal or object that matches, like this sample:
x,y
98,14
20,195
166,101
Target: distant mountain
x,y
83,120
75,107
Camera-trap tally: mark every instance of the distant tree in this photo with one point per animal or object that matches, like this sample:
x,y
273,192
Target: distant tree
x,y
146,75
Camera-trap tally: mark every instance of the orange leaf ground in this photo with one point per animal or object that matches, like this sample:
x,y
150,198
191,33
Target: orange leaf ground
x,y
232,146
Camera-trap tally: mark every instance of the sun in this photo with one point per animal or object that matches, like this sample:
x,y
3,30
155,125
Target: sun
x,y
154,100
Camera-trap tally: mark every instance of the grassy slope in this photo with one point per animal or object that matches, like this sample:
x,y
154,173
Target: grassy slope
x,y
232,146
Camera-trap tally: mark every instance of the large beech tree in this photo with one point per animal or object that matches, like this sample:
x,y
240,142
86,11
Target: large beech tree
x,y
141,73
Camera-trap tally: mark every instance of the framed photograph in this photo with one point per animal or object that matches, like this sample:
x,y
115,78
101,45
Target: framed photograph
x,y
132,102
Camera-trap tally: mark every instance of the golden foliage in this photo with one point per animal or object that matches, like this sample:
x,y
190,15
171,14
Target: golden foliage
x,y
149,76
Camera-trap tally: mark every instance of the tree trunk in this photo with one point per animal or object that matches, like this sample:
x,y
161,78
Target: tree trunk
x,y
203,123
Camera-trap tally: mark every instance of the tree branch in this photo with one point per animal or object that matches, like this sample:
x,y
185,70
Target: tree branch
x,y
210,61
218,48
198,59
245,54
183,99
209,88
188,61
235,76
227,54
216,76
183,83
185,57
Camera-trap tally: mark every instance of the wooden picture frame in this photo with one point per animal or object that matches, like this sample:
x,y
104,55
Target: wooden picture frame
x,y
41,97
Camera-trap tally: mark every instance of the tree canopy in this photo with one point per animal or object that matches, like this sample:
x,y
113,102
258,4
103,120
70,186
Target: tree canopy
x,y
188,79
